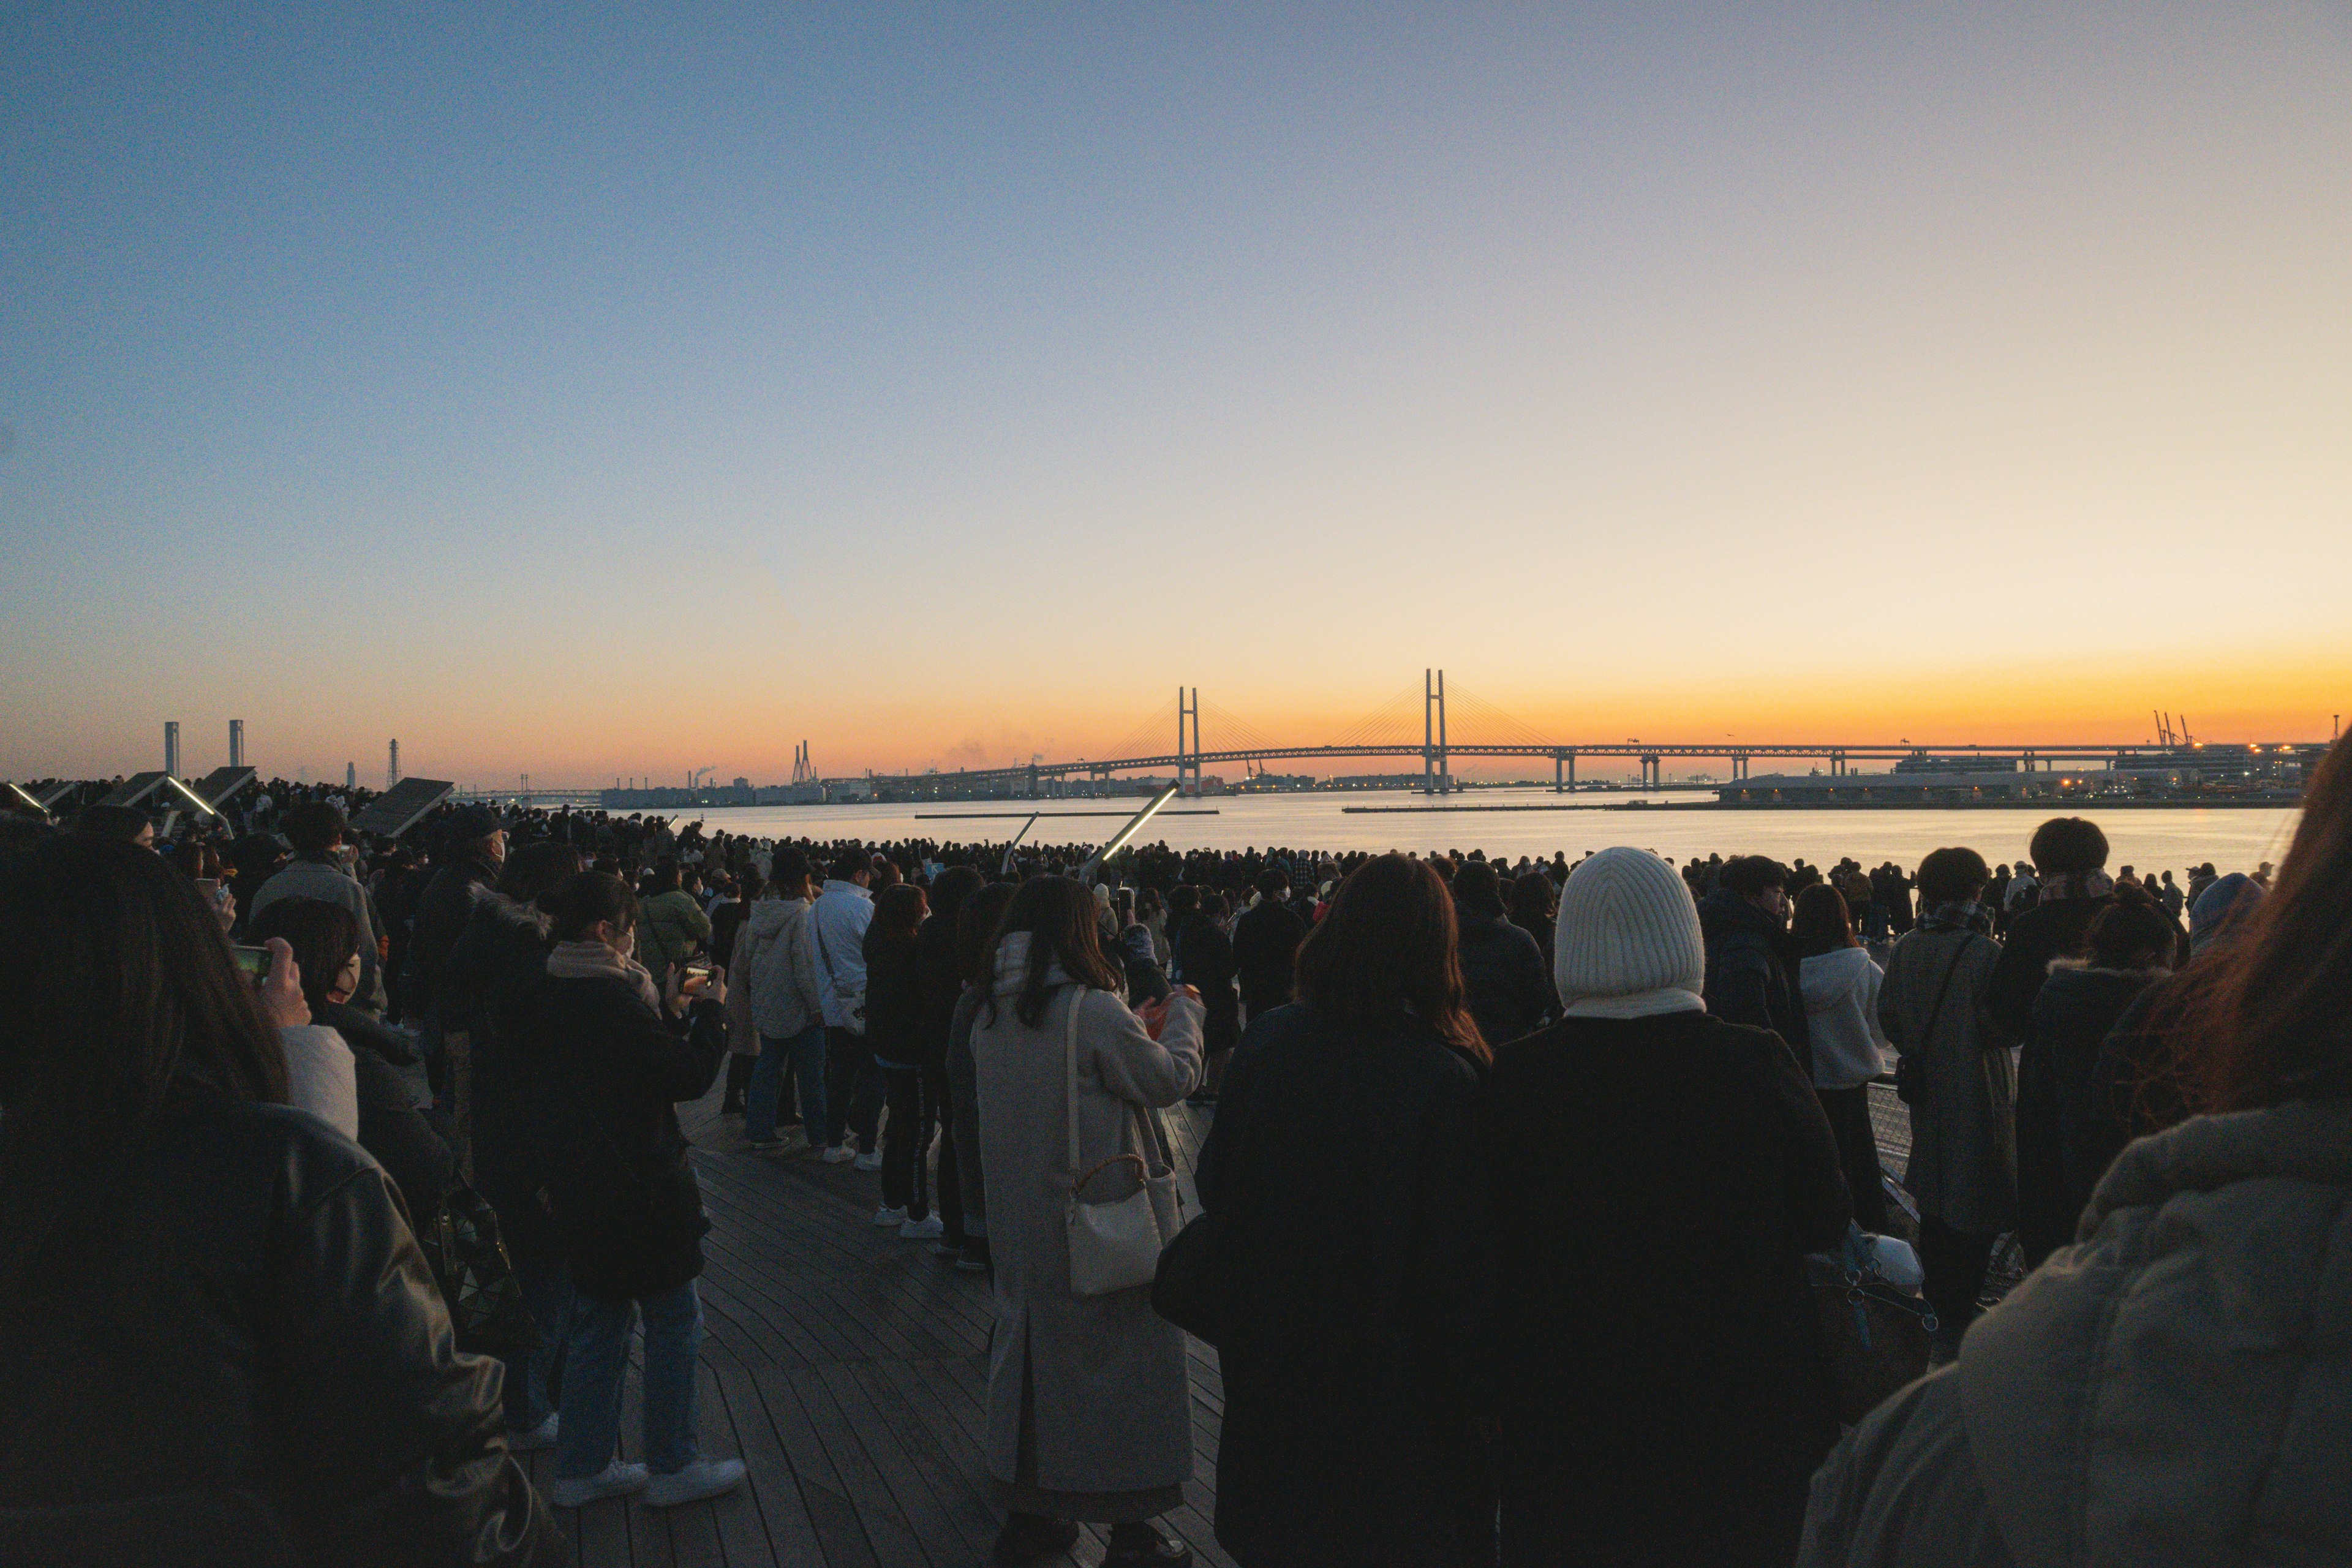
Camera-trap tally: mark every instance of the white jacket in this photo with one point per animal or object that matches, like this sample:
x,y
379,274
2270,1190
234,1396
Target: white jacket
x,y
1842,1017
841,914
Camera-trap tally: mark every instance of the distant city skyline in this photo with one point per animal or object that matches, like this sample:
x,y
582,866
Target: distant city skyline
x,y
946,386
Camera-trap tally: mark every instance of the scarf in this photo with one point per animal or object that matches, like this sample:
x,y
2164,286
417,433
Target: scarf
x,y
592,960
1957,915
2076,885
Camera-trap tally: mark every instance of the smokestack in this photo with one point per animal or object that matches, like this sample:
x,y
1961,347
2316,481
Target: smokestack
x,y
351,775
392,767
237,742
171,747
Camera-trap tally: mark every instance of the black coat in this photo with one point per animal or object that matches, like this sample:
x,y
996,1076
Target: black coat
x,y
1266,952
1204,960
410,1144
442,911
895,1012
239,1357
1752,972
2037,937
1349,1356
494,970
608,1072
2074,1015
1656,1182
935,958
1503,972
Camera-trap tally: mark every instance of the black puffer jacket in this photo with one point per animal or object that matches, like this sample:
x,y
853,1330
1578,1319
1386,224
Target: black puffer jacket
x,y
242,1359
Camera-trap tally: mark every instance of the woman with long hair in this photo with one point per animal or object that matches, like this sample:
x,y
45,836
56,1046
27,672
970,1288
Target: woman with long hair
x,y
1840,984
1656,1176
1089,1407
895,1033
1351,1406
2170,1386
221,1342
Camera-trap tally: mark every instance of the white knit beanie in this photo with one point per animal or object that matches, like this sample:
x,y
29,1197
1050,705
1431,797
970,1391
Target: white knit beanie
x,y
1627,943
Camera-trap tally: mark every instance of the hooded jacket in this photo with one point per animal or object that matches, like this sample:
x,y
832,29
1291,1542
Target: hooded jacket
x,y
1841,991
777,959
2170,1392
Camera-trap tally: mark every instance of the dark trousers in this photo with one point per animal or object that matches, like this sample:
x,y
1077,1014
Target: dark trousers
x,y
950,1185
906,1142
739,1079
853,1088
1956,1261
1849,1113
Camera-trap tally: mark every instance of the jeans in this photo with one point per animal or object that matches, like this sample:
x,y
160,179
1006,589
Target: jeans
x,y
906,1142
547,1292
804,1054
853,1088
598,1356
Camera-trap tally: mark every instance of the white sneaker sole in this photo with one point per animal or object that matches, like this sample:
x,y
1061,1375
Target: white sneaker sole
x,y
725,1478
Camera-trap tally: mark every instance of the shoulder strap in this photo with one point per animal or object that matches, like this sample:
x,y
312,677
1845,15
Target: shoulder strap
x,y
1968,941
1070,1069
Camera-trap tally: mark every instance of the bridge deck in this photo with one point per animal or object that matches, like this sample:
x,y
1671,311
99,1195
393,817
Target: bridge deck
x,y
848,1369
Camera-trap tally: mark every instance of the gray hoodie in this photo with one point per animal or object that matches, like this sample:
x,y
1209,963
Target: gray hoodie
x,y
2174,1390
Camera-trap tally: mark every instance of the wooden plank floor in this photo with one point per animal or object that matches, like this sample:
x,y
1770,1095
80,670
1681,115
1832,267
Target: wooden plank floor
x,y
848,1370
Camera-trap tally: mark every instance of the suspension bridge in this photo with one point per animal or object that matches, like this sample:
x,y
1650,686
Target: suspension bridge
x,y
1460,725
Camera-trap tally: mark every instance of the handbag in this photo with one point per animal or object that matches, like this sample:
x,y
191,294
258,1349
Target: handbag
x,y
1874,1335
468,1260
855,1008
1113,1246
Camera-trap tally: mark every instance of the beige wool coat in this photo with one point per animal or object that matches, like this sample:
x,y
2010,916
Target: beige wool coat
x,y
1113,1404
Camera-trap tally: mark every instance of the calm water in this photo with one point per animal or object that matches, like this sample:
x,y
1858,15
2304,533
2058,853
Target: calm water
x,y
2173,838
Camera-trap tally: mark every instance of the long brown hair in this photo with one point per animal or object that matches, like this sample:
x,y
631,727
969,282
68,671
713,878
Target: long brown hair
x,y
2261,1019
1058,915
1386,949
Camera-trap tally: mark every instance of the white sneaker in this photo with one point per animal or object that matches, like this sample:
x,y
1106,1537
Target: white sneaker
x,y
615,1479
840,1153
542,1435
888,1215
870,1160
697,1479
922,1229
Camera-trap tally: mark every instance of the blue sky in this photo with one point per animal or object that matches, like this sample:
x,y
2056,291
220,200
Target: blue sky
x,y
614,392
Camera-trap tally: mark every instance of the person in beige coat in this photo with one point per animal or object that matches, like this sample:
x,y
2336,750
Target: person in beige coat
x,y
1089,1409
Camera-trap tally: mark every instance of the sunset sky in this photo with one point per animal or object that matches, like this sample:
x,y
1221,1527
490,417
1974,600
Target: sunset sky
x,y
618,394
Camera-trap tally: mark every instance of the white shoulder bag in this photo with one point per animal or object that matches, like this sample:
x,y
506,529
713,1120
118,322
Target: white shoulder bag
x,y
1113,1246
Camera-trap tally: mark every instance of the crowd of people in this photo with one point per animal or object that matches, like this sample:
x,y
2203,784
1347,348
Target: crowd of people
x,y
336,1172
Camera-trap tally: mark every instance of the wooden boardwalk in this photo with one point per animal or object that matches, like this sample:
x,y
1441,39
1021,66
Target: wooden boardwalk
x,y
848,1369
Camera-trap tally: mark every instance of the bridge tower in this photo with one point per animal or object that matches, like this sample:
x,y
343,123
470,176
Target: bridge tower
x,y
1436,772
1187,773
